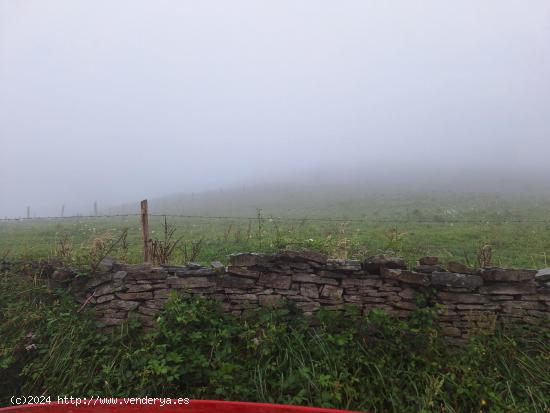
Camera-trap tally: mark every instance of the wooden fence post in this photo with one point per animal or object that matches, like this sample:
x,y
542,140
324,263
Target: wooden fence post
x,y
145,230
259,212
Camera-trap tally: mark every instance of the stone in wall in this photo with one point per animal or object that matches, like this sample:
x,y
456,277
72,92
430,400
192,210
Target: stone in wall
x,y
507,275
408,277
503,288
248,259
274,280
375,264
448,279
303,256
543,275
460,268
428,269
430,260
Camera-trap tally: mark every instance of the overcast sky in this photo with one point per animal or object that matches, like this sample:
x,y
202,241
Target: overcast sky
x,y
119,100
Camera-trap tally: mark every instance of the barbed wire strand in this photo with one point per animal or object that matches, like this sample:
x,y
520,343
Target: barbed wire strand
x,y
289,219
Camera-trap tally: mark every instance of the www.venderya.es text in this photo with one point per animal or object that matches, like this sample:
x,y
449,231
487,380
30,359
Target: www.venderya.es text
x,y
97,400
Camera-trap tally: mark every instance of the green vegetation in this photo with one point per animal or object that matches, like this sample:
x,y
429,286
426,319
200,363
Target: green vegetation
x,y
453,227
372,362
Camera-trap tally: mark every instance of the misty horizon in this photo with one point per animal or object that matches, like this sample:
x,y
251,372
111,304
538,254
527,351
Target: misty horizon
x,y
116,102
274,195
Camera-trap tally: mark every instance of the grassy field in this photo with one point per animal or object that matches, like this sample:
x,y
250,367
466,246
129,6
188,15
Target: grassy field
x,y
451,226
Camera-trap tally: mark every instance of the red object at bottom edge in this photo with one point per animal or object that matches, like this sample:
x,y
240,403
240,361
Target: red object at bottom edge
x,y
138,405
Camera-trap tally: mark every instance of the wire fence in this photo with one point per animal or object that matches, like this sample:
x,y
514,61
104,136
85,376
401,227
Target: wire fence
x,y
293,219
518,241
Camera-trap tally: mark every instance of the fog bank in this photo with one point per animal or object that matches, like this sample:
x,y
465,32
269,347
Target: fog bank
x,y
118,101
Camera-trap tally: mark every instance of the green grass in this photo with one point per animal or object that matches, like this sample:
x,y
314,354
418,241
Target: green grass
x,y
371,363
452,227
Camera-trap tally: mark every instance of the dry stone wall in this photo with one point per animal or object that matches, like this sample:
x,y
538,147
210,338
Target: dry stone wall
x,y
467,298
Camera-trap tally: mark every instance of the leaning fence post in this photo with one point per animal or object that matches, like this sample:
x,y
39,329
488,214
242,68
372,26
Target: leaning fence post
x,y
145,230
